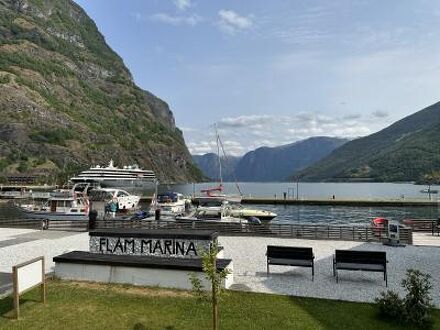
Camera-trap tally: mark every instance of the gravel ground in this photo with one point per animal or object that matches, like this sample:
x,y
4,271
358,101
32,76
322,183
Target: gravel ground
x,y
26,244
248,255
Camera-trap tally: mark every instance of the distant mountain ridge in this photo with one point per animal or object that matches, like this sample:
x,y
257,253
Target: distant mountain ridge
x,y
209,165
267,164
404,151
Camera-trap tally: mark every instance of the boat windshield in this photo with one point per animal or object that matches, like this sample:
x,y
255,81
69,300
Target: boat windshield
x,y
167,198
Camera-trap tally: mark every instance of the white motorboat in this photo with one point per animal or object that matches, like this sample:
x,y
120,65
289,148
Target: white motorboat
x,y
231,206
66,204
112,176
124,200
171,203
211,214
238,211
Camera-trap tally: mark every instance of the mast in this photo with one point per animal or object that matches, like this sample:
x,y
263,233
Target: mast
x,y
218,155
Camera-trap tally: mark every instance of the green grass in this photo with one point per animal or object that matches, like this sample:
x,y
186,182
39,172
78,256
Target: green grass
x,y
91,306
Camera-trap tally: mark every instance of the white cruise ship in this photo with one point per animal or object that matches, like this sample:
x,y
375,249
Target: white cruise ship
x,y
112,176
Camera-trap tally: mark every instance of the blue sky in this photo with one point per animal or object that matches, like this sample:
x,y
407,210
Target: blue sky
x,y
274,72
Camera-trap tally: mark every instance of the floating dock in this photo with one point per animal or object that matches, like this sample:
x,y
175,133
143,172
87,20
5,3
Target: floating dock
x,y
341,202
333,202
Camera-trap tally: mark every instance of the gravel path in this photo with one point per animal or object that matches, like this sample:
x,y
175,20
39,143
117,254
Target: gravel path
x,y
248,255
31,244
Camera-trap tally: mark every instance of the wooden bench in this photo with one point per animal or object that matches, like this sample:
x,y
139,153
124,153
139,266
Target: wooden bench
x,y
290,256
372,261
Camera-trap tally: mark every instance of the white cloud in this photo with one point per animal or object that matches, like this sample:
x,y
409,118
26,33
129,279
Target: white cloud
x,y
191,20
247,132
251,121
183,4
380,114
230,22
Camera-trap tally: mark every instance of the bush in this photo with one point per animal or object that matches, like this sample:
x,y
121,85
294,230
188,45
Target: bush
x,y
390,305
416,307
417,302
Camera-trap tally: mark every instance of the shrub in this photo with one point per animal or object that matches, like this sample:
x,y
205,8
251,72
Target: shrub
x,y
416,307
390,305
417,302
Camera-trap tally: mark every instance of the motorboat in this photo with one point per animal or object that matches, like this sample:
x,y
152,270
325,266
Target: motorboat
x,y
429,191
232,207
171,203
62,204
211,214
239,211
125,201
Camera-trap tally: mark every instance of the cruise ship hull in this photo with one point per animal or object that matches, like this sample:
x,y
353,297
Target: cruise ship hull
x,y
120,183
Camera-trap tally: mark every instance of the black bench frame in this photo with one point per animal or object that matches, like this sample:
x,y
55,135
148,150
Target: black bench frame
x,y
372,261
290,256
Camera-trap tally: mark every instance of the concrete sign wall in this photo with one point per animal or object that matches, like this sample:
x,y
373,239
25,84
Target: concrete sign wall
x,y
159,243
160,247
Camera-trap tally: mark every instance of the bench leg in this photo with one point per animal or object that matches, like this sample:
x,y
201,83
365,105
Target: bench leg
x,y
313,272
267,269
337,278
385,277
334,266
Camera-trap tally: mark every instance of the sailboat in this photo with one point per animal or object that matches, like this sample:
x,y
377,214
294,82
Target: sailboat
x,y
230,204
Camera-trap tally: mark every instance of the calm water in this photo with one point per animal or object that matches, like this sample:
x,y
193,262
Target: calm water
x,y
320,214
315,190
328,214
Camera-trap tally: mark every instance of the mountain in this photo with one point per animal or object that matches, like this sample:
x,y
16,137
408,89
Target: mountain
x,y
67,100
269,164
405,151
208,164
277,164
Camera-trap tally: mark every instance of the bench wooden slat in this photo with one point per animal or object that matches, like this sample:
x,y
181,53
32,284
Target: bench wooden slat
x,y
374,261
290,256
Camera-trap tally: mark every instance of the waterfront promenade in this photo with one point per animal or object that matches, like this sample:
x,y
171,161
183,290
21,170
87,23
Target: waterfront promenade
x,y
248,254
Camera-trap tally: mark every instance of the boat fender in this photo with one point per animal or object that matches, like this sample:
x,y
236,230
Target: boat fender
x,y
45,224
254,221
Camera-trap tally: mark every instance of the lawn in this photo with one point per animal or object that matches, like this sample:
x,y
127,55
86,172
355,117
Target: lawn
x,y
76,305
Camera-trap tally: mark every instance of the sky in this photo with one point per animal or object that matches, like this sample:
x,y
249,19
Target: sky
x,y
274,72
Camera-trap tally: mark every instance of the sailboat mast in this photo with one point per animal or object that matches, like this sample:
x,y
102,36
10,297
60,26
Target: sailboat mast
x,y
218,154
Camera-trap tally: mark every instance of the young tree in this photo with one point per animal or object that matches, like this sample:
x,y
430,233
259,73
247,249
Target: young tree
x,y
216,277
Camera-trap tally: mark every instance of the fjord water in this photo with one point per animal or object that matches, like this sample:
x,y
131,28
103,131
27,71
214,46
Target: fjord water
x,y
310,190
328,214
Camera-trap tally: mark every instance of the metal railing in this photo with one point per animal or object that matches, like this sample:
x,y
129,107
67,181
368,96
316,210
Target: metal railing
x,y
302,231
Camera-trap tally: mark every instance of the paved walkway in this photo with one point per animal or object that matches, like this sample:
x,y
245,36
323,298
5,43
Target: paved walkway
x,y
20,245
426,239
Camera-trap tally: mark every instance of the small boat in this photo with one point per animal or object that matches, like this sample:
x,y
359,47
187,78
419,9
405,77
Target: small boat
x,y
231,205
379,223
171,203
125,201
63,204
241,212
211,214
429,191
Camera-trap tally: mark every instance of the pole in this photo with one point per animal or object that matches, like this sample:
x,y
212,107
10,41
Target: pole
x,y
297,185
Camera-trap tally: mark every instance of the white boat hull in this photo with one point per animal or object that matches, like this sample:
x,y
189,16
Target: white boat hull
x,y
54,215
